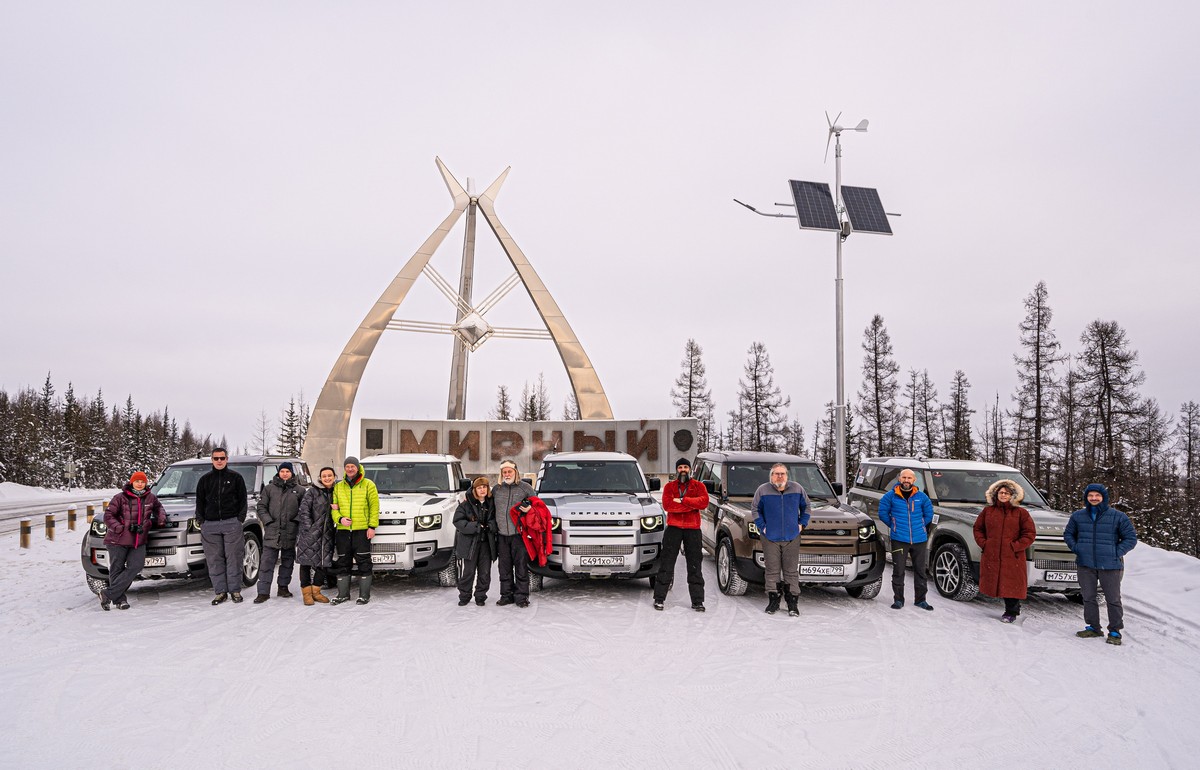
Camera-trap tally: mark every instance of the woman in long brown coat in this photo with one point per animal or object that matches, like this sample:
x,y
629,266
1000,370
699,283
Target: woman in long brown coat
x,y
1004,530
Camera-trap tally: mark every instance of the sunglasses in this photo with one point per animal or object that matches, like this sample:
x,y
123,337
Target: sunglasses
x,y
219,459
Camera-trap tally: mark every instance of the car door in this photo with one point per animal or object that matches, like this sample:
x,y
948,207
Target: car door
x,y
710,516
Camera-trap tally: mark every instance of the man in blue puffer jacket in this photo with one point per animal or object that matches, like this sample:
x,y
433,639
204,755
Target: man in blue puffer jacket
x,y
907,513
780,515
1100,536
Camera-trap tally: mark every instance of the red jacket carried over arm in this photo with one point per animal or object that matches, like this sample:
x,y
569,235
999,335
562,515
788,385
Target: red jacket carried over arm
x,y
534,528
685,515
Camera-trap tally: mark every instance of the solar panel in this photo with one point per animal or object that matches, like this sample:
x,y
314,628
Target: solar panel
x,y
814,205
865,210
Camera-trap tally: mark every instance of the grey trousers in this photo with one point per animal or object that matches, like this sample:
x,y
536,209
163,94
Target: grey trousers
x,y
266,568
224,551
1110,583
920,559
124,564
783,557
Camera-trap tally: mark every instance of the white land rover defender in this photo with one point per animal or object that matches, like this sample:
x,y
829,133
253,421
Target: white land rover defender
x,y
417,497
605,523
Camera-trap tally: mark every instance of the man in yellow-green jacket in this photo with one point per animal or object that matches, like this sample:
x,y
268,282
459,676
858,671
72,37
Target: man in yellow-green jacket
x,y
355,511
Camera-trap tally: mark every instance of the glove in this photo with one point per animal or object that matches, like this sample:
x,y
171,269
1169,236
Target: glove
x,y
136,529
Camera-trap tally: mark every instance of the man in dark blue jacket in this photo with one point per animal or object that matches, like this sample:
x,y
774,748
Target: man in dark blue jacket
x,y
780,515
907,513
1100,536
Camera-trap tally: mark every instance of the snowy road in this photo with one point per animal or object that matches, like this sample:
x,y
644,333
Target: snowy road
x,y
589,676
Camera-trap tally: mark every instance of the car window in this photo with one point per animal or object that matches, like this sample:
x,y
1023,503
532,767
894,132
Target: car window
x,y
410,477
591,476
887,479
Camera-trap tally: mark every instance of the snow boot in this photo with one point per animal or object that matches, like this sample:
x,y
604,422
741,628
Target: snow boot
x,y
1006,618
698,607
317,596
364,589
924,605
343,587
261,598
792,599
216,599
898,604
463,601
1114,637
105,604
657,605
284,593
1088,633
306,593
236,596
773,598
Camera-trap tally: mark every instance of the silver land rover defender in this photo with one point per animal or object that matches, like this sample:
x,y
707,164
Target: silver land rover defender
x,y
417,497
956,488
605,523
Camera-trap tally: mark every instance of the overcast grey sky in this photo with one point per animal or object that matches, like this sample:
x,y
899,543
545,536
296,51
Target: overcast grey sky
x,y
200,201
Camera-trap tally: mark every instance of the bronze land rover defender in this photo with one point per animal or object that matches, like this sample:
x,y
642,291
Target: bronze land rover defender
x,y
839,547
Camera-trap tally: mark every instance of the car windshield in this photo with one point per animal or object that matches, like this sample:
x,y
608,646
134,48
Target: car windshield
x,y
742,479
592,476
409,477
180,480
971,486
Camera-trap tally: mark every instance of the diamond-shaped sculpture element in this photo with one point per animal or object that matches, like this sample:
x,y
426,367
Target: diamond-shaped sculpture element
x,y
473,330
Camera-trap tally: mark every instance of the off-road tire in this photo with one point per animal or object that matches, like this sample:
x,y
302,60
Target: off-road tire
x,y
866,590
448,576
729,580
251,557
952,573
536,581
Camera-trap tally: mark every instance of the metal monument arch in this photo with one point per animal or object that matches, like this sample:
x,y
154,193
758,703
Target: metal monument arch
x,y
325,443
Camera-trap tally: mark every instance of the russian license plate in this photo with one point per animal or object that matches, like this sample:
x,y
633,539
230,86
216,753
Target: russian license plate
x,y
383,558
156,561
1062,577
822,569
601,561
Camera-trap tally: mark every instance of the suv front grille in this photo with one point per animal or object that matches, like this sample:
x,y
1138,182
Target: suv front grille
x,y
388,547
164,551
601,550
1054,564
825,558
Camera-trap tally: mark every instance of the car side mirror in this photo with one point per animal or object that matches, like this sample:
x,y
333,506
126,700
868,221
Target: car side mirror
x,y
838,489
464,485
710,486
655,484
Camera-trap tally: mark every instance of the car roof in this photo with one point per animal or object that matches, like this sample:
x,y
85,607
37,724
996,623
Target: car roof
x,y
411,457
239,459
751,457
935,463
621,456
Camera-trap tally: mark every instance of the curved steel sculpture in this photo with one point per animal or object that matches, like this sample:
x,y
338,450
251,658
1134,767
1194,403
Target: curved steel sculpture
x,y
325,443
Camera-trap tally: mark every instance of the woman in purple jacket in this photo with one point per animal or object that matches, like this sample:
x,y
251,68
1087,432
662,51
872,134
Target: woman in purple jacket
x,y
128,517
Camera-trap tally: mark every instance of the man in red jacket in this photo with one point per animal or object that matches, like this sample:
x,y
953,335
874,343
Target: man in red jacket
x,y
683,499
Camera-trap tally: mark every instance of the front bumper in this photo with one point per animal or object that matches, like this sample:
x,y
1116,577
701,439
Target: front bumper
x,y
613,558
848,570
181,557
390,555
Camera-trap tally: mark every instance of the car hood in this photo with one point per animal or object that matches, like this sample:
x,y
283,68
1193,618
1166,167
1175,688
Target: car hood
x,y
416,503
179,508
820,512
599,503
1042,518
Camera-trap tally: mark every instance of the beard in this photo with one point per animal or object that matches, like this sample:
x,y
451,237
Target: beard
x,y
683,478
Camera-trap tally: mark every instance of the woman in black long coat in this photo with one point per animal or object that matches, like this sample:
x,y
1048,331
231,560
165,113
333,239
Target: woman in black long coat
x,y
314,540
475,542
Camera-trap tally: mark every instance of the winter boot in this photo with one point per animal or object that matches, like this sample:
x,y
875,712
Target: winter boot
x,y
792,598
1088,633
343,586
364,589
236,596
306,592
105,604
317,596
1114,637
216,599
773,598
283,593
261,598
898,604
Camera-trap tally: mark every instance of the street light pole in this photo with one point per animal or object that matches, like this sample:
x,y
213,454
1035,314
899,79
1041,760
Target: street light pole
x,y
839,408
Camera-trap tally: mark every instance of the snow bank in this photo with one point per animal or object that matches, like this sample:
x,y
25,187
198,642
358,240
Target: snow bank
x,y
589,676
11,492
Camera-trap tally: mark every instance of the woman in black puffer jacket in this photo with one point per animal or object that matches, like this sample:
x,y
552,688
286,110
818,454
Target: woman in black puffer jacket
x,y
314,540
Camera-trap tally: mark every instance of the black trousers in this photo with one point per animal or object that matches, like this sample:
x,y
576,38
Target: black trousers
x,y
311,576
693,555
918,551
353,547
286,557
1012,606
514,568
476,572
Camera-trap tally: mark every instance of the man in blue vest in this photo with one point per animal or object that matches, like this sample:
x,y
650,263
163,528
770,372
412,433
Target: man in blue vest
x,y
907,513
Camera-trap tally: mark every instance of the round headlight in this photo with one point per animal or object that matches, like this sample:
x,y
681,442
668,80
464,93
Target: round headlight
x,y
555,524
99,528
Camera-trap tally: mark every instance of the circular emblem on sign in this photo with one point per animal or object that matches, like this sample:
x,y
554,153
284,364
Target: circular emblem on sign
x,y
683,440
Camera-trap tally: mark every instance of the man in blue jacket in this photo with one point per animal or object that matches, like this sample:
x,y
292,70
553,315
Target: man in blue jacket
x,y
781,514
1100,536
907,513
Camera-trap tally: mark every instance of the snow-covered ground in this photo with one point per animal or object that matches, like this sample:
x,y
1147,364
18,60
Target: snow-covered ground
x,y
589,676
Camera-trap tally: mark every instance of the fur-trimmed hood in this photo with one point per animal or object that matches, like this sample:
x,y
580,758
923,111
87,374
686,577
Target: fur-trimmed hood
x,y
1018,494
